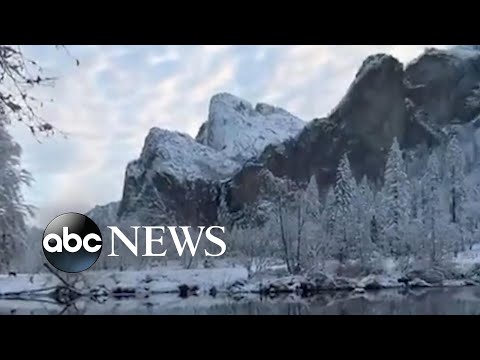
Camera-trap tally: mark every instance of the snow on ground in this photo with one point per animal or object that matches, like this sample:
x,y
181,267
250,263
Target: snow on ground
x,y
159,280
26,282
167,278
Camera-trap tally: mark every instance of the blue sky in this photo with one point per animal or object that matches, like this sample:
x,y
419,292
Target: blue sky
x,y
108,104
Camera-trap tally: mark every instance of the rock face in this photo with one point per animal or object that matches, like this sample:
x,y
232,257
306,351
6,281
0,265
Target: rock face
x,y
174,178
181,176
385,100
178,179
363,124
440,82
239,131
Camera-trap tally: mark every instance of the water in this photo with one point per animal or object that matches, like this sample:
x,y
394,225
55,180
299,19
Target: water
x,y
451,301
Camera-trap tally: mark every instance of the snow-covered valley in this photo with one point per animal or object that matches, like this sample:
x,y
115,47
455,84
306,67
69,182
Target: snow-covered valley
x,y
379,199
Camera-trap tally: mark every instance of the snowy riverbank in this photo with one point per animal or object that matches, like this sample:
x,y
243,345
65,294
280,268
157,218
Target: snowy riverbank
x,y
233,280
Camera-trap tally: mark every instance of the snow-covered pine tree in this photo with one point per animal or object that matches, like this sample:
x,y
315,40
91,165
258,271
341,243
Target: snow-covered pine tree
x,y
363,213
327,220
471,215
345,185
434,214
395,204
415,230
13,209
456,192
313,231
345,188
455,178
311,200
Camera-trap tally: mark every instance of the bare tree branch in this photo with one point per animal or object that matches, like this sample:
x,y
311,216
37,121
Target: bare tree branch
x,y
19,76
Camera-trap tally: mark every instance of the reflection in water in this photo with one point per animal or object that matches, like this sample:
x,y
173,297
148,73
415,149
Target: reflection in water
x,y
461,301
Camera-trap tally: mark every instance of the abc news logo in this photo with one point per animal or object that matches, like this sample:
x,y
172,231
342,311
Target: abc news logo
x,y
73,242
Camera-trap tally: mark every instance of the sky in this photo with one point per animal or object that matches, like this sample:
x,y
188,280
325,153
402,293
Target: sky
x,y
108,104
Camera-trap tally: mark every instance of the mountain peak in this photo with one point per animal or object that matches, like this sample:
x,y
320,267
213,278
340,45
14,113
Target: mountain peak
x,y
241,131
377,62
179,155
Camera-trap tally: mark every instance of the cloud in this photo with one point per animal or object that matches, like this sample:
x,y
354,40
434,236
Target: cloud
x,y
109,103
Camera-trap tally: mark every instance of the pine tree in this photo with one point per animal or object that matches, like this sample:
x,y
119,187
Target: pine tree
x,y
456,192
327,219
363,212
434,214
395,203
415,231
13,210
455,178
374,231
345,188
308,240
311,199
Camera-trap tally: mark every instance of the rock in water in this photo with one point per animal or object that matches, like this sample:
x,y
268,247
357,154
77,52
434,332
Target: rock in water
x,y
321,281
371,282
469,282
431,276
183,290
419,283
344,284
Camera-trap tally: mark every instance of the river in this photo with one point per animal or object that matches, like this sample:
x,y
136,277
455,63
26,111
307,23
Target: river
x,y
440,301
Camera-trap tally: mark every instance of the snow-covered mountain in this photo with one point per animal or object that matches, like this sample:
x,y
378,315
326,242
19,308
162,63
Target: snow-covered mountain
x,y
413,103
180,156
174,170
239,131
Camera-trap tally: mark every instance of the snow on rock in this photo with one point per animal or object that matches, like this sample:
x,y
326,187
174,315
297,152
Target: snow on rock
x,y
432,276
179,155
458,283
135,283
377,282
322,281
168,280
419,283
239,131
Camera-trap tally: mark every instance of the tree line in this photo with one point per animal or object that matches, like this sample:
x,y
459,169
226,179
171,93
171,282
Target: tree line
x,y
425,210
